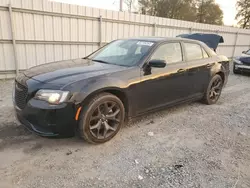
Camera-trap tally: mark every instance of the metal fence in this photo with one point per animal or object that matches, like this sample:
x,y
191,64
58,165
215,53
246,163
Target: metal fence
x,y
34,32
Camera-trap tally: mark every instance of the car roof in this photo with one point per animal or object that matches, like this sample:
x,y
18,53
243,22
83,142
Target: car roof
x,y
161,39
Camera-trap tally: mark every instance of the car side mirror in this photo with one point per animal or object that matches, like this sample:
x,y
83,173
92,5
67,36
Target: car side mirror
x,y
157,63
244,52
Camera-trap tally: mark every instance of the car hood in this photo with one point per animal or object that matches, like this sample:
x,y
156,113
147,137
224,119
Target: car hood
x,y
245,55
65,72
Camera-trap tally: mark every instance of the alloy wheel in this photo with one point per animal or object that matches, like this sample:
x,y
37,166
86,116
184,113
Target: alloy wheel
x,y
215,89
105,119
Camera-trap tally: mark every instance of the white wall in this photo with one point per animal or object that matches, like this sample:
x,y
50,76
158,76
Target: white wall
x,y
48,31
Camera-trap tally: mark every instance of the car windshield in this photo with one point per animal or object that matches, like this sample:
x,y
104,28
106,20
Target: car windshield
x,y
122,52
248,52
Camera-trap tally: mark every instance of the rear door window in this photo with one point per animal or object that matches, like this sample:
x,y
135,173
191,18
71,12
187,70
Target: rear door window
x,y
193,51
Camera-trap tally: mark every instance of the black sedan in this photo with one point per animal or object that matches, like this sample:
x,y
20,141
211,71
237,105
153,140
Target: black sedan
x,y
94,95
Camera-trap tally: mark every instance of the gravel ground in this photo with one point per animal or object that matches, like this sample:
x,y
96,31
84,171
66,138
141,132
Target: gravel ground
x,y
192,145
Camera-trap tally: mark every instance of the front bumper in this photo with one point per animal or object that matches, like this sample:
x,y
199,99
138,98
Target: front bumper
x,y
48,120
241,67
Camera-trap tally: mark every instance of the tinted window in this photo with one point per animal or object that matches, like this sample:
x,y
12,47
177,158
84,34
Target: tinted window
x,y
170,52
193,51
205,55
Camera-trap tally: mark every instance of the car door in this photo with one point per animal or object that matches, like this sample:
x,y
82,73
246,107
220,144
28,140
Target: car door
x,y
163,86
200,65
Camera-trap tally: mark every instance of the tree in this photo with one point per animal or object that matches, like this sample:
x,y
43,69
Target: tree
x,y
209,12
176,9
129,4
243,15
205,11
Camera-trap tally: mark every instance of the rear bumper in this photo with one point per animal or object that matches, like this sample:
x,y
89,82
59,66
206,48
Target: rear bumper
x,y
47,120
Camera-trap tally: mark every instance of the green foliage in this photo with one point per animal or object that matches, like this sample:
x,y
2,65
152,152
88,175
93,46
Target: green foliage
x,y
243,15
209,12
203,11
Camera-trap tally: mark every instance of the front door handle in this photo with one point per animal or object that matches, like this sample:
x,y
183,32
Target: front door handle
x,y
181,70
209,65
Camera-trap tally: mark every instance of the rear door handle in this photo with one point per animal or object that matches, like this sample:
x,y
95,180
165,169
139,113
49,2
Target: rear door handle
x,y
181,70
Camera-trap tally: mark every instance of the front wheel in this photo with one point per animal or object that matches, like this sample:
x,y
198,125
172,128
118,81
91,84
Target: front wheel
x,y
102,118
213,91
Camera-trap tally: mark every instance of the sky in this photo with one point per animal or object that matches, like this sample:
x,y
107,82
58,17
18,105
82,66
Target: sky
x,y
228,7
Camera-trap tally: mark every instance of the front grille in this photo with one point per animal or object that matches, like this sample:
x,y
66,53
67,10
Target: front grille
x,y
21,93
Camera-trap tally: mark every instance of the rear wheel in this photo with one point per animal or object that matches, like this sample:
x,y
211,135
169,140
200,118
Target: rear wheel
x,y
214,90
102,119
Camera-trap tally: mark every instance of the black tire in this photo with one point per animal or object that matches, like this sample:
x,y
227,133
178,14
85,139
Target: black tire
x,y
213,91
98,112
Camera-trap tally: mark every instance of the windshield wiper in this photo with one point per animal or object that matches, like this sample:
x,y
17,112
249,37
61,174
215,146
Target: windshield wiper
x,y
100,61
86,58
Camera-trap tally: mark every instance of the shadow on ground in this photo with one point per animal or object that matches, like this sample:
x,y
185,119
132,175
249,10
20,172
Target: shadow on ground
x,y
14,134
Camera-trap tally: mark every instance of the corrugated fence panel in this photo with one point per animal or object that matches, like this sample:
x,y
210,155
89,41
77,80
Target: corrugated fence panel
x,y
49,53
31,55
37,4
82,30
2,58
89,49
95,31
21,54
19,26
47,5
229,38
40,51
81,51
67,31
114,32
4,2
74,51
57,25
242,40
58,52
5,26
39,27
225,50
27,4
74,29
239,50
48,28
66,52
29,26
9,57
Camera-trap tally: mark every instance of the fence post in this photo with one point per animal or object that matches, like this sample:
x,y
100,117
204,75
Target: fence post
x,y
235,43
190,30
154,29
100,31
13,38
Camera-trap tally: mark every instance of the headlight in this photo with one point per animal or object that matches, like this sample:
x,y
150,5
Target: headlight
x,y
237,61
52,96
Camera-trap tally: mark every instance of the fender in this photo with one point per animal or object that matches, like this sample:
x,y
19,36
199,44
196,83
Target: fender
x,y
221,67
83,88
